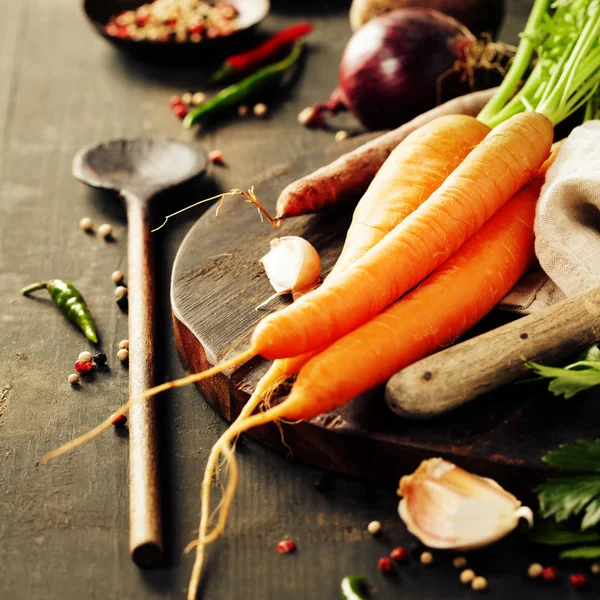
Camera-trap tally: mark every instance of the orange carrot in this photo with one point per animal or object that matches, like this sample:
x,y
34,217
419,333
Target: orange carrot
x,y
506,159
350,175
414,170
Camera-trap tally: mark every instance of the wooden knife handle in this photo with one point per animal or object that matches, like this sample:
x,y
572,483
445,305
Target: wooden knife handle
x,y
461,373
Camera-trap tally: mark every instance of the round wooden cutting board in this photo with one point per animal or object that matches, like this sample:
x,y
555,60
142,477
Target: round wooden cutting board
x,y
218,282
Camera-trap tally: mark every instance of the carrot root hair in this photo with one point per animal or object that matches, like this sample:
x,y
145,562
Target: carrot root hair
x,y
169,385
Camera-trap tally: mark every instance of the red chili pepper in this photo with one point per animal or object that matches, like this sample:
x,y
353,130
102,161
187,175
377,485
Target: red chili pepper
x,y
384,564
251,60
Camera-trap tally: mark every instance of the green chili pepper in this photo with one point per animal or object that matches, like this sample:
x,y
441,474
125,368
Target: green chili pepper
x,y
70,302
233,95
354,587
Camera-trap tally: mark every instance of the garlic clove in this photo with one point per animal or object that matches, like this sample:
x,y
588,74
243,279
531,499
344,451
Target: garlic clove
x,y
292,265
447,507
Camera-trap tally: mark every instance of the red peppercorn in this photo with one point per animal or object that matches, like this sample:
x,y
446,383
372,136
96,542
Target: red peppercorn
x,y
122,33
399,554
175,100
384,564
171,21
142,19
180,110
84,367
118,420
216,156
286,546
578,580
550,574
197,28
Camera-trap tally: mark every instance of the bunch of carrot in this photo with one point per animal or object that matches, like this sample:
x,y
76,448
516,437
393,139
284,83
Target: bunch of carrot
x,y
451,211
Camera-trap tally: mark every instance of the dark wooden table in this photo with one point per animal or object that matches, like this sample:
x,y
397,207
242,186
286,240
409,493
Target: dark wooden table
x,y
63,526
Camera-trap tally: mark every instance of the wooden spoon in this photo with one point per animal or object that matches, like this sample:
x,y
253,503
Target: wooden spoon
x,y
139,169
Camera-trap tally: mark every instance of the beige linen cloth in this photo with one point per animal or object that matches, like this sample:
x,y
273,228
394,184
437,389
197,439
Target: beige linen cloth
x,y
567,227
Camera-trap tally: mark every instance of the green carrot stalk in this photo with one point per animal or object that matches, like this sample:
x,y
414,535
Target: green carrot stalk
x,y
70,302
237,93
567,66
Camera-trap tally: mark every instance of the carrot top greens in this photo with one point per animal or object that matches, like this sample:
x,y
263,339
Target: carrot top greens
x,y
564,36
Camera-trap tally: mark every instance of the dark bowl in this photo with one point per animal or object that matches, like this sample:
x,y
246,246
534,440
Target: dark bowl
x,y
251,13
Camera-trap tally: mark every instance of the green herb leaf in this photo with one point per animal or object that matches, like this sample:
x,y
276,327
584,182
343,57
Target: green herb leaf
x,y
565,497
581,457
571,380
555,534
582,552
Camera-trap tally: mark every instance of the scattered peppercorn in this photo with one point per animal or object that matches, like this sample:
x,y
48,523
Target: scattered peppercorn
x,y
180,111
117,277
242,110
216,156
535,570
165,20
198,98
74,379
479,584
595,568
341,135
374,527
124,344
467,576
460,562
550,574
286,546
83,367
120,291
118,420
123,355
426,558
100,359
86,224
85,357
106,231
399,554
311,117
186,98
384,564
260,110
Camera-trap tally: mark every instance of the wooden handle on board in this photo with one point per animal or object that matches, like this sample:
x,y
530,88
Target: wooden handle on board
x,y
145,525
461,373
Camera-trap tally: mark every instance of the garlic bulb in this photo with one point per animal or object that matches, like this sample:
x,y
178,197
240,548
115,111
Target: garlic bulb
x,y
292,265
447,507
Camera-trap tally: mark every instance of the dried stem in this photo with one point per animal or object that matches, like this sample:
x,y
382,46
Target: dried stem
x,y
248,196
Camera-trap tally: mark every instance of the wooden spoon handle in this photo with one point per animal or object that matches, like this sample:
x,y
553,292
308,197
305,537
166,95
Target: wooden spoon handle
x,y
145,527
459,374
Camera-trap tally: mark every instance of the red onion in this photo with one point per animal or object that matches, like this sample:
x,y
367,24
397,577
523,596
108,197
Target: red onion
x,y
405,62
478,15
391,65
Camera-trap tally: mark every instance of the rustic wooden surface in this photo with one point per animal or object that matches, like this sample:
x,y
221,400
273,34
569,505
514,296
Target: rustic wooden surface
x,y
63,526
218,281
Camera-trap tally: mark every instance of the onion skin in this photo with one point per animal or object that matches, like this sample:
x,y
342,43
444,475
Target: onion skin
x,y
390,67
478,15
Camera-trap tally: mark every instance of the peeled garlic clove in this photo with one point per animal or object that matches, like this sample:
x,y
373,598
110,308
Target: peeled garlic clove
x,y
292,265
447,507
